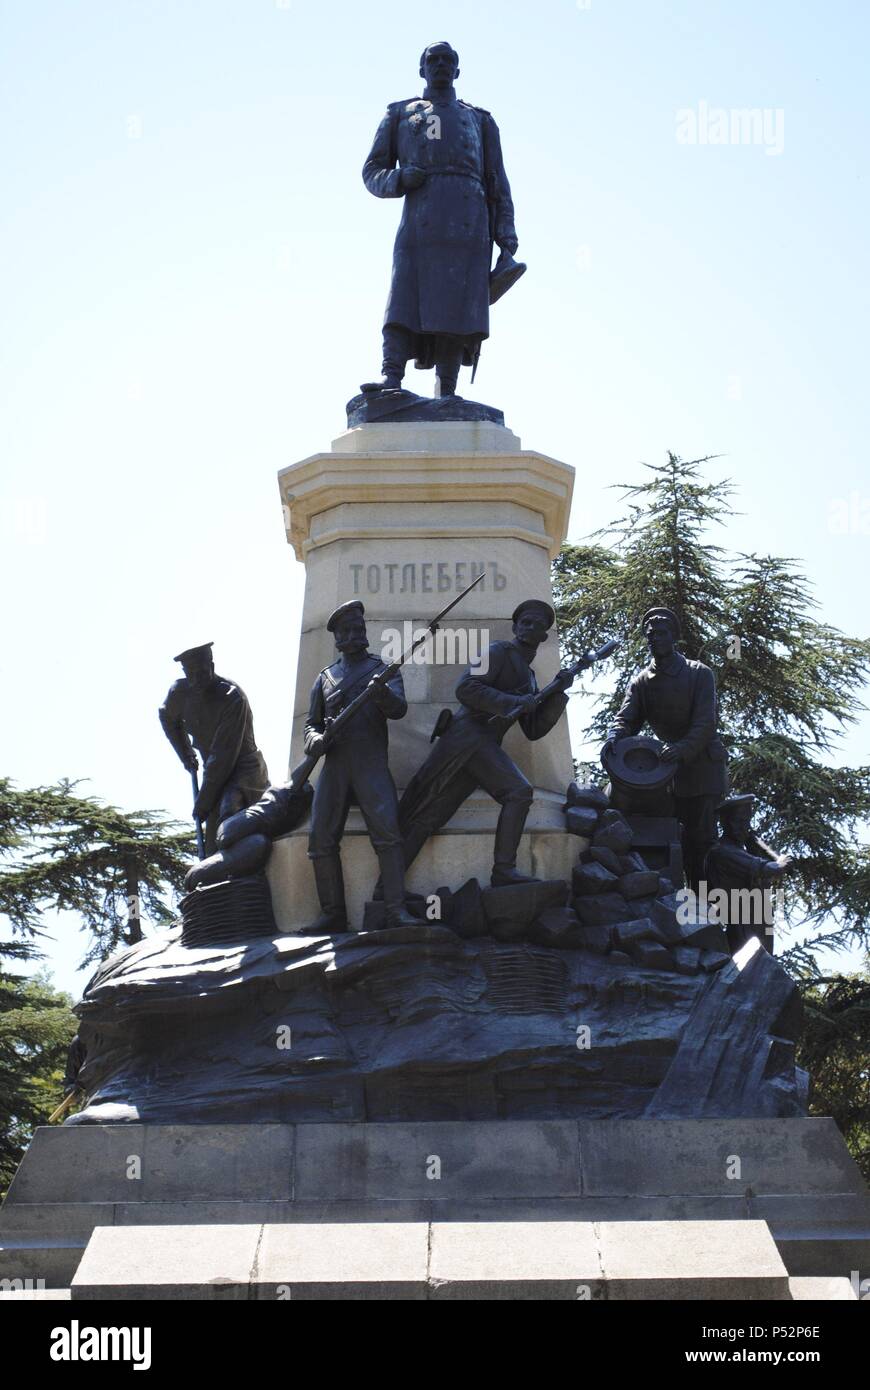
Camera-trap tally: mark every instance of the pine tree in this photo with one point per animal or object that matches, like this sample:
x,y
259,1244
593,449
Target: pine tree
x,y
68,852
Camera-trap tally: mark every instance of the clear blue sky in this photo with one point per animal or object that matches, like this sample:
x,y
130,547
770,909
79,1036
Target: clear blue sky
x,y
194,279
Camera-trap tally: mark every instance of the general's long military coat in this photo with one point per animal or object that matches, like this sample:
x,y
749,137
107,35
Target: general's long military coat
x,y
443,248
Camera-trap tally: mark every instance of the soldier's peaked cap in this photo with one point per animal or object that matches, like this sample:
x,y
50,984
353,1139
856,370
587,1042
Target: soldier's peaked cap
x,y
189,652
352,609
536,606
661,613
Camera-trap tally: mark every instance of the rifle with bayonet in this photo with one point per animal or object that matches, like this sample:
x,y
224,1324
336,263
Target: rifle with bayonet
x,y
504,721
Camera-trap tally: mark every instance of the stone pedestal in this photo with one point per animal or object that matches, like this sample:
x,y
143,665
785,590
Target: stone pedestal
x,y
491,1176
404,516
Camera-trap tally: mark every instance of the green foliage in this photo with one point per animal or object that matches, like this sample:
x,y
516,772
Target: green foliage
x,y
67,852
788,683
835,1050
36,1027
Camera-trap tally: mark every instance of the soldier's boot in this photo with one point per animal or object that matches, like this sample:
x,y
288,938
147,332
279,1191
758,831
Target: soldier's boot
x,y
392,862
445,385
330,890
508,833
388,382
413,842
397,347
446,377
448,360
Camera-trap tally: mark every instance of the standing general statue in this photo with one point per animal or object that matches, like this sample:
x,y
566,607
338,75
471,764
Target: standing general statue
x,y
443,156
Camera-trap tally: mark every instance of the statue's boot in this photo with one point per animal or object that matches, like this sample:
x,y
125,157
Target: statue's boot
x,y
504,875
330,890
508,833
398,347
447,364
392,862
445,382
413,842
388,382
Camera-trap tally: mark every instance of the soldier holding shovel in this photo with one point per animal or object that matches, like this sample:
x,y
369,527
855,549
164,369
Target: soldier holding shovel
x,y
205,712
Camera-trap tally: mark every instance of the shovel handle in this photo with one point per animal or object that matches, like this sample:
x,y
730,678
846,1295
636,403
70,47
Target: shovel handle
x,y
200,839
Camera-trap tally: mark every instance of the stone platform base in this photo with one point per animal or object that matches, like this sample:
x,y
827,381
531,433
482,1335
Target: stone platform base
x,y
421,1261
794,1174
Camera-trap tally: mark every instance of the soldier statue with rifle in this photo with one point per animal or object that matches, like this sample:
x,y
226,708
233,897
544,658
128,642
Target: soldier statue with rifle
x,y
355,767
493,696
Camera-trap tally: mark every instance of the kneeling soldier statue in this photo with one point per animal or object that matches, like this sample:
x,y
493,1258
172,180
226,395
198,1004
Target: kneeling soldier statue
x,y
469,754
207,712
740,863
354,766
